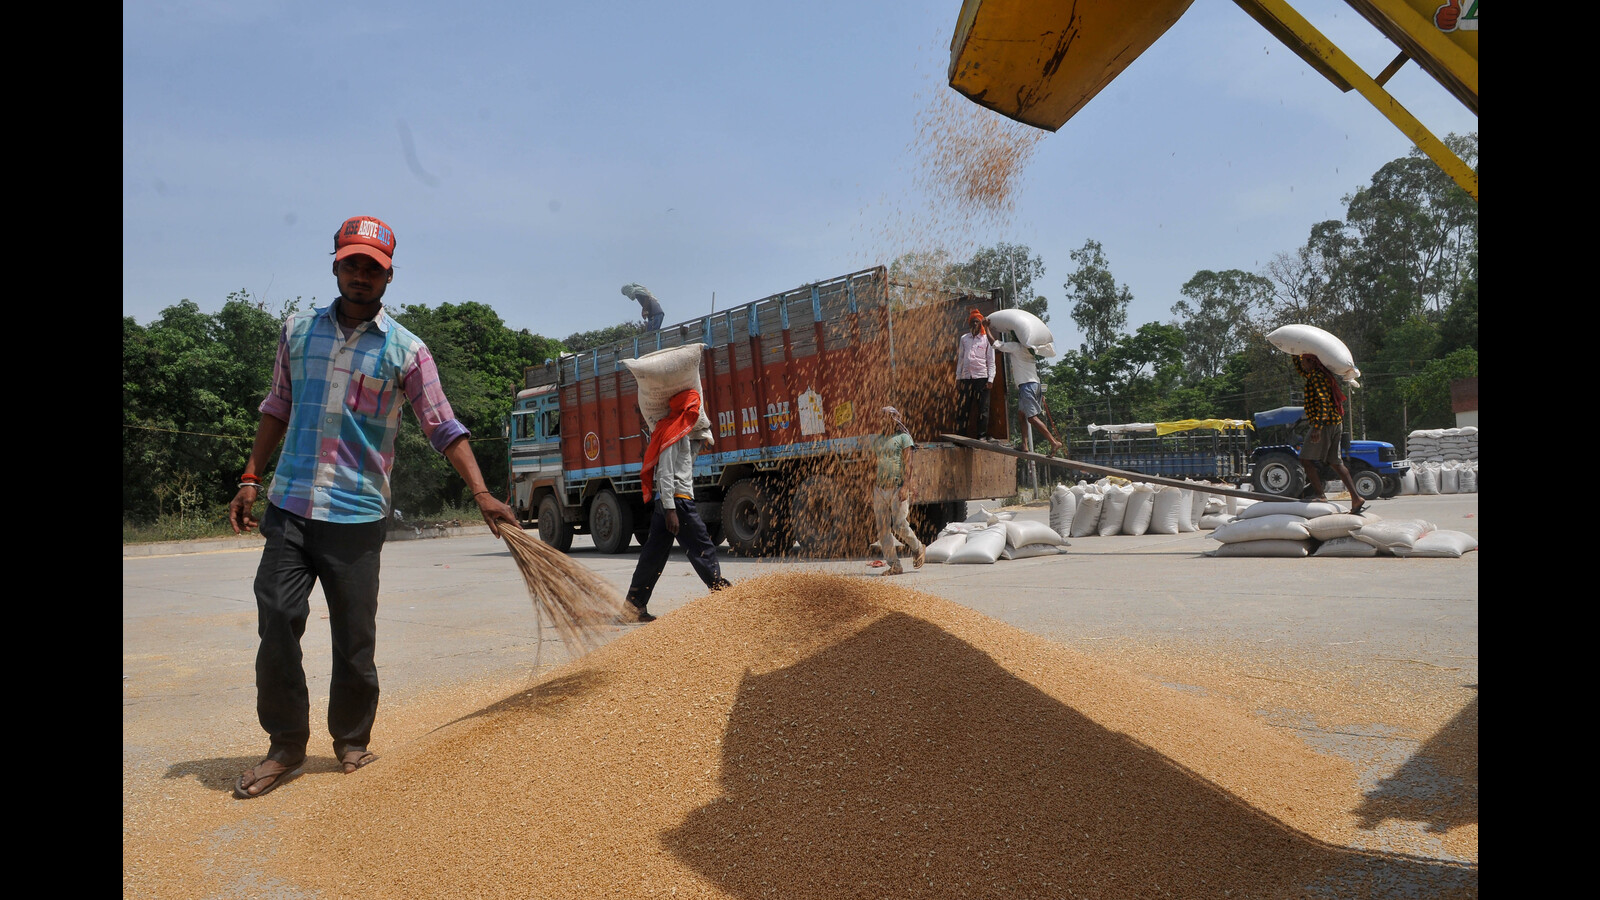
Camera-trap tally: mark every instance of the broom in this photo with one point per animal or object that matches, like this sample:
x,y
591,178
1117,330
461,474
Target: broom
x,y
579,604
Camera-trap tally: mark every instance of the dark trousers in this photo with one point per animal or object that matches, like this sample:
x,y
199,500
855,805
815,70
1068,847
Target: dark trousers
x,y
692,537
970,393
344,558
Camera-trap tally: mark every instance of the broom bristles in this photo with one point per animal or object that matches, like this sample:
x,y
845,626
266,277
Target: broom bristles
x,y
579,604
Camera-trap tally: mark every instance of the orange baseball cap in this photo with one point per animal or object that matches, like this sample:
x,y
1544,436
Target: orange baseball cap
x,y
365,234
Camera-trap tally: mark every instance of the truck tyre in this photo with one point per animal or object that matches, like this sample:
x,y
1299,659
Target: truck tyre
x,y
1279,474
1368,483
610,522
753,519
825,519
553,529
1391,487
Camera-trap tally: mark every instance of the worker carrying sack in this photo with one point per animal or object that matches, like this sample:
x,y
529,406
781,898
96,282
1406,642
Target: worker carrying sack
x,y
1030,330
662,375
1329,350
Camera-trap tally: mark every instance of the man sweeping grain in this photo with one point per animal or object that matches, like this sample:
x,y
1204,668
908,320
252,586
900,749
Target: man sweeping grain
x,y
891,499
334,404
668,475
1324,410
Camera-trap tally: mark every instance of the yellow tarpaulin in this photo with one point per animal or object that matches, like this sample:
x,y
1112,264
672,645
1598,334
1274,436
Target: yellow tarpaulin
x,y
1191,424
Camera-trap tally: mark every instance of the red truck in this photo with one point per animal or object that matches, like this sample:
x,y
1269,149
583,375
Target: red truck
x,y
793,384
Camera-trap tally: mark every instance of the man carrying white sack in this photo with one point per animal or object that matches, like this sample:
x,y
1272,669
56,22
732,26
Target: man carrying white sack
x,y
891,499
1030,394
1324,409
668,474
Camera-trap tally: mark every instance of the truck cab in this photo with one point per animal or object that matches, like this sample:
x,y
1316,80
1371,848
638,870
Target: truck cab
x,y
535,454
1376,467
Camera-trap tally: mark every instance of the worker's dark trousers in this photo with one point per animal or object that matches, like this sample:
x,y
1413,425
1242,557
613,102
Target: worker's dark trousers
x,y
692,537
344,558
973,392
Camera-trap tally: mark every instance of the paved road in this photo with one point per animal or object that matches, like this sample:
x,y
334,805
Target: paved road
x,y
454,610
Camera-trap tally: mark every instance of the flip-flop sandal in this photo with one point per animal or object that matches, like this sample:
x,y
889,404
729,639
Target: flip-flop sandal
x,y
288,773
357,758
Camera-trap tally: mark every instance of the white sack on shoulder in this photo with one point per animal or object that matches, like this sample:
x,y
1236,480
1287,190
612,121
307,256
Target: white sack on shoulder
x,y
1263,528
1030,329
1332,352
662,375
1308,509
1025,532
981,548
1440,545
1284,549
939,551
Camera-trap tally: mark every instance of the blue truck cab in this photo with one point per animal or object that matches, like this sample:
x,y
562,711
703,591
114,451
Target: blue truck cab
x,y
1275,467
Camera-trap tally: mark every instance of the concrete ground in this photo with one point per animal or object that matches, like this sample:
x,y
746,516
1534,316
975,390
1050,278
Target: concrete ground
x,y
454,611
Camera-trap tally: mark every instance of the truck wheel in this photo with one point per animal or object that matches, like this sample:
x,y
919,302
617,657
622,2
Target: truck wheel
x,y
1279,474
610,522
752,519
553,529
1368,484
1391,487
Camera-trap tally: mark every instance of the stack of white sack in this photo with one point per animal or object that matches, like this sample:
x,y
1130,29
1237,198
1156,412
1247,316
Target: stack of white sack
x,y
1450,477
1408,538
1278,529
1443,444
1026,538
986,537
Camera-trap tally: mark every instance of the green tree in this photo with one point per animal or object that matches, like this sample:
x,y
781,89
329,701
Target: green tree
x,y
1099,306
1216,323
600,337
1427,394
1008,270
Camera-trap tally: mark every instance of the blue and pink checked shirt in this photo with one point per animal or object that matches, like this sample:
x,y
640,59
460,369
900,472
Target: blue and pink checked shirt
x,y
340,394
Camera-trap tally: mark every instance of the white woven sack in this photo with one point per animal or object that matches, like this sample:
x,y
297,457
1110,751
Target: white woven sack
x,y
982,547
1448,482
663,374
1300,339
1213,521
1427,478
1408,482
1113,508
1165,509
1197,507
1063,503
1025,532
1286,549
1308,509
1398,533
1440,545
1030,551
939,551
1263,528
1186,510
1141,503
1346,547
995,518
1467,478
1338,525
1030,329
1086,519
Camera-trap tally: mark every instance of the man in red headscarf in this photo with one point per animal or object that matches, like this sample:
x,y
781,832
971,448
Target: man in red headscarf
x,y
974,375
668,479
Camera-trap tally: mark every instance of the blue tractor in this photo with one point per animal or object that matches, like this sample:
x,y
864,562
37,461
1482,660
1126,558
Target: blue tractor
x,y
1275,467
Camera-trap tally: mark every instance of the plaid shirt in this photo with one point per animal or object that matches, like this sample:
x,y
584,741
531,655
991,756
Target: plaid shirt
x,y
340,395
1318,398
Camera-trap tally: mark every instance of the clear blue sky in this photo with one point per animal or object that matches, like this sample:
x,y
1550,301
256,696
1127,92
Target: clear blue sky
x,y
537,156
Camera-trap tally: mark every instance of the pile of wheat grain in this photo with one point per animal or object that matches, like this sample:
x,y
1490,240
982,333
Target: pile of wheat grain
x,y
822,736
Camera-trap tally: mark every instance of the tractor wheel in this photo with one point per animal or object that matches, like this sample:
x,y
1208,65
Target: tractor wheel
x,y
1279,474
553,529
610,522
1391,487
1368,483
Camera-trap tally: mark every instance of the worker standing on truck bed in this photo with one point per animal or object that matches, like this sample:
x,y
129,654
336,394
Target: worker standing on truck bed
x,y
668,475
649,306
1030,394
1324,409
974,375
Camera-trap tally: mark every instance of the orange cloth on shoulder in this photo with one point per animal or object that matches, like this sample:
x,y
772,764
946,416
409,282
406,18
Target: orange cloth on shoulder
x,y
683,411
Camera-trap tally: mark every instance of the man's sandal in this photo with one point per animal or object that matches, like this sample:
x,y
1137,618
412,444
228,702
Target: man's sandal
x,y
356,757
277,772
